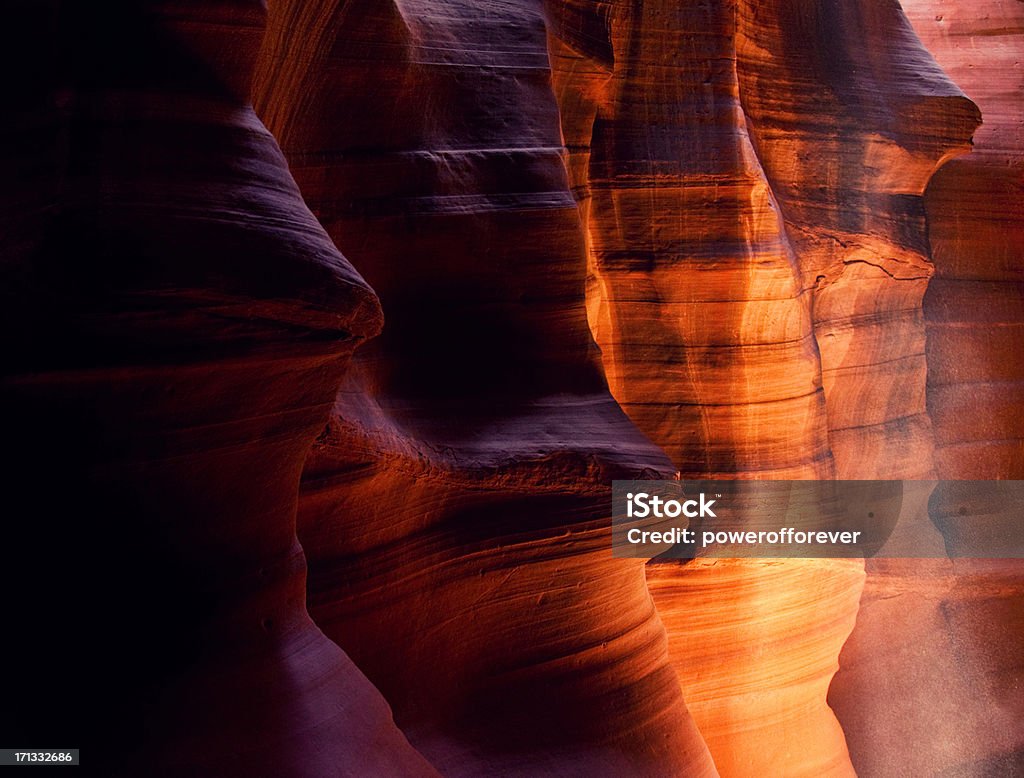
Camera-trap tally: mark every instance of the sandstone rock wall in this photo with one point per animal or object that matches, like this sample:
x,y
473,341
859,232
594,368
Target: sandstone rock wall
x,y
751,178
974,310
454,513
175,326
599,240
949,629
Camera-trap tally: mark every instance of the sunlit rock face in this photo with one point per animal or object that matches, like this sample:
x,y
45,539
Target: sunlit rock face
x,y
756,227
975,304
851,117
696,300
696,296
636,238
951,631
750,178
175,326
755,644
454,513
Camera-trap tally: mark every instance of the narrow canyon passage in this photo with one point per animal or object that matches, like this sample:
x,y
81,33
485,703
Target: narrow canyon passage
x,y
454,513
759,308
330,323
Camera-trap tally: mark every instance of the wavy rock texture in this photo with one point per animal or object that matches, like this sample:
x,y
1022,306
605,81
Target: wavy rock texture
x,y
751,176
706,254
455,512
755,644
974,308
952,630
850,188
176,324
737,200
696,301
695,296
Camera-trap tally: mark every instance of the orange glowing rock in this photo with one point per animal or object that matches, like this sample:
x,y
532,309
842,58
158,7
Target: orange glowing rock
x,y
937,638
609,240
751,179
454,514
755,645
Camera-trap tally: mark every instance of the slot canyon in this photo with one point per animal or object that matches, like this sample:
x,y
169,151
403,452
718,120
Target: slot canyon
x,y
329,324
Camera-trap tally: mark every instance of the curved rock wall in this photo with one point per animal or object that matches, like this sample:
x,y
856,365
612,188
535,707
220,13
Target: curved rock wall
x,y
952,630
706,335
851,117
751,177
696,295
974,309
610,240
175,326
454,513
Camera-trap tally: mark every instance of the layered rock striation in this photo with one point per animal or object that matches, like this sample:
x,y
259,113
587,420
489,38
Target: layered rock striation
x,y
175,326
851,118
974,310
605,240
454,512
951,630
696,296
751,179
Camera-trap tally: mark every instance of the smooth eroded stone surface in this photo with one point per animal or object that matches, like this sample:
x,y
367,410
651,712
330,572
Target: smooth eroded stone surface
x,y
929,682
951,632
940,641
610,240
455,510
175,327
974,308
851,117
750,175
695,294
755,644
